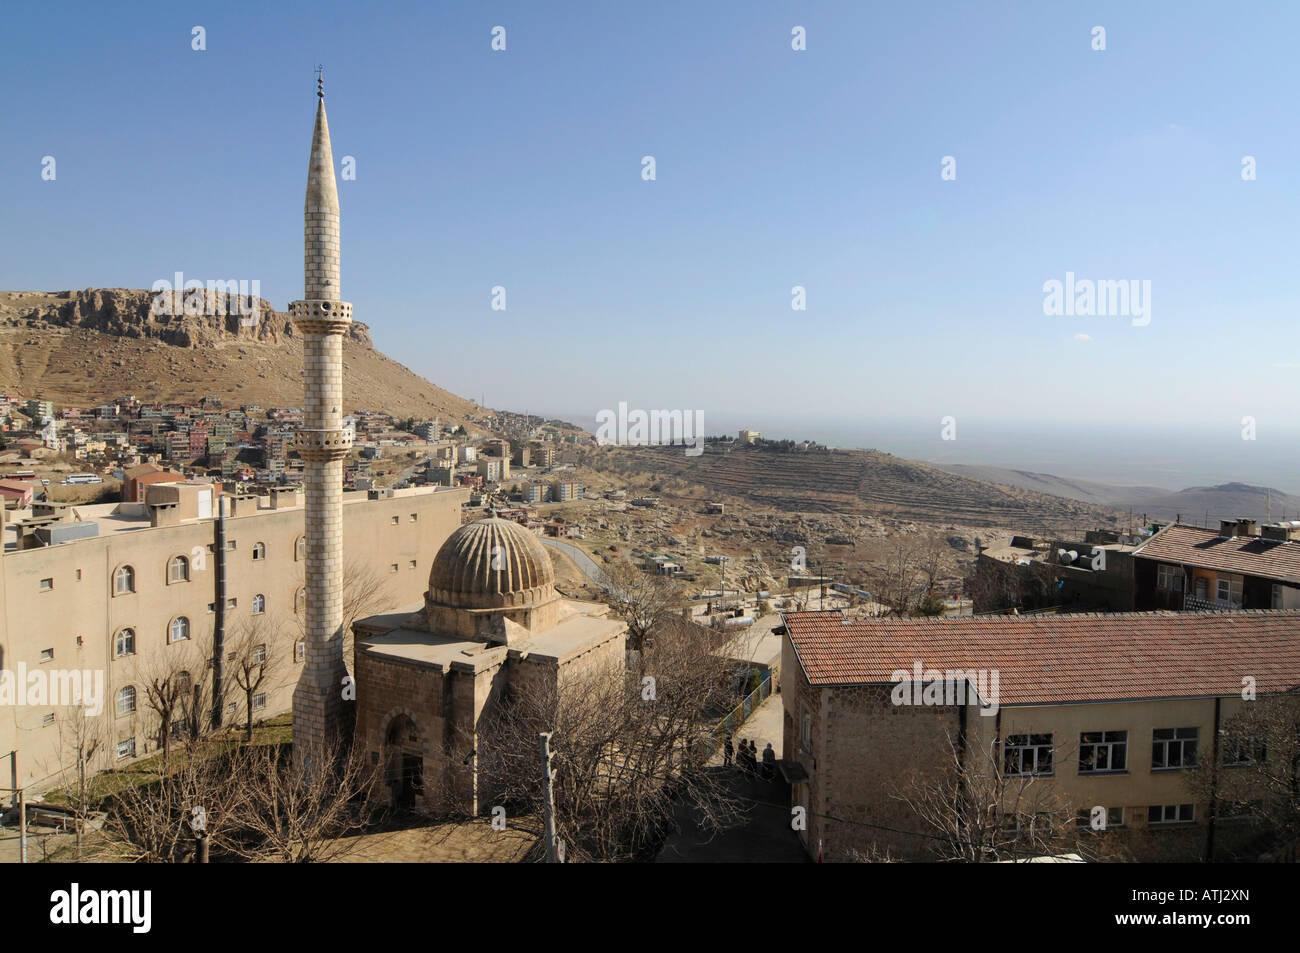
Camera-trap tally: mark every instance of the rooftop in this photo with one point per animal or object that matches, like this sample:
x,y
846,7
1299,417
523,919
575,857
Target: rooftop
x,y
1206,549
1045,660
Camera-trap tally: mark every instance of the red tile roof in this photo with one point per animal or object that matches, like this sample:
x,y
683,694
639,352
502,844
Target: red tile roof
x,y
1063,658
1206,549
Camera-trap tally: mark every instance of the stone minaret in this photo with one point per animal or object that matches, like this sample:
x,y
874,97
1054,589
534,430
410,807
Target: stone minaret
x,y
323,319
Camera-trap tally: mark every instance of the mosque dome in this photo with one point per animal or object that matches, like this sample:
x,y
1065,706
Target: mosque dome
x,y
491,564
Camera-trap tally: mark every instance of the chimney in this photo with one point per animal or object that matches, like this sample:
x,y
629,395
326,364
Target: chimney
x,y
164,514
1246,527
1227,528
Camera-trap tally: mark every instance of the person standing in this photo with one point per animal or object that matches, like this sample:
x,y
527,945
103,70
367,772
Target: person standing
x,y
769,762
728,749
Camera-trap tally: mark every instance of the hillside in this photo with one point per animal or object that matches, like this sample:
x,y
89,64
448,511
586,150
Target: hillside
x,y
1209,504
82,347
1087,491
854,482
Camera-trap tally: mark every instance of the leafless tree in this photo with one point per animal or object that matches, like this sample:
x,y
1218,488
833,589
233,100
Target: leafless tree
x,y
366,592
254,661
1258,769
156,818
294,814
641,599
82,740
975,811
167,678
626,752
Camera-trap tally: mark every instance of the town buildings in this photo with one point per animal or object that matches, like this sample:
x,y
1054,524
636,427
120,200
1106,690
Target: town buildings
x,y
1111,710
139,594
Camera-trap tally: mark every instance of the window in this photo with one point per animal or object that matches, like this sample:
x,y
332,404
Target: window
x,y
1169,578
1114,817
805,732
179,630
124,644
299,650
412,564
126,700
414,516
259,604
1170,814
1173,748
1101,752
126,749
123,581
47,585
1276,602
1239,752
47,655
300,602
395,520
259,653
393,568
300,548
178,570
259,701
259,550
231,603
1028,755
1228,589
48,719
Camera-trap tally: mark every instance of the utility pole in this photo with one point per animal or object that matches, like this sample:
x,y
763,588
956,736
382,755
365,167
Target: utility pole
x,y
548,799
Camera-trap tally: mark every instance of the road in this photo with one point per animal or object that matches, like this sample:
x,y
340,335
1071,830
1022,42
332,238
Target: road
x,y
584,561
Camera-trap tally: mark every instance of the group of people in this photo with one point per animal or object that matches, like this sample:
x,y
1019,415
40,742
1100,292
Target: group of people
x,y
747,758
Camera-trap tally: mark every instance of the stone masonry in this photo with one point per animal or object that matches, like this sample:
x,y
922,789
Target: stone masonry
x,y
323,318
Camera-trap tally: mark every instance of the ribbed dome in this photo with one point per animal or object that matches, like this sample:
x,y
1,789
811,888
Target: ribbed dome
x,y
491,564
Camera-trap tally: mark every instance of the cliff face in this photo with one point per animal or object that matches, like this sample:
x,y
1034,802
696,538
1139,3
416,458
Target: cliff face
x,y
83,347
195,319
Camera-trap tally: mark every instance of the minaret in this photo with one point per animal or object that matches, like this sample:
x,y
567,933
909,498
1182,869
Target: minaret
x,y
323,319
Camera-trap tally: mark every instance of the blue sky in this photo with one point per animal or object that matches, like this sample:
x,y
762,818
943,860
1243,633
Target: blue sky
x,y
775,168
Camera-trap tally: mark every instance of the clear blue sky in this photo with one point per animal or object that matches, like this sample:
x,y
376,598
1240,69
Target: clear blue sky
x,y
775,168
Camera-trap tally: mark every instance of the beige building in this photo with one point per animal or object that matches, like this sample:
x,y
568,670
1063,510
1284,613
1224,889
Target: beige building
x,y
1109,711
491,621
134,588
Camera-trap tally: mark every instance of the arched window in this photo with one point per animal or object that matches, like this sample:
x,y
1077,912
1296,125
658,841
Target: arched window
x,y
300,549
259,550
184,683
300,602
124,644
180,629
123,580
259,604
126,700
178,570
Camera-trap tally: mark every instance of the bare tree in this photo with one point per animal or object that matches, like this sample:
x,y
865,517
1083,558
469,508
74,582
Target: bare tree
x,y
975,811
641,599
298,815
255,659
1258,770
366,591
82,739
168,680
627,752
157,817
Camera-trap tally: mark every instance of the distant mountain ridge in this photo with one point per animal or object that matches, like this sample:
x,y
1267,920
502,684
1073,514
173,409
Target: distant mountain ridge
x,y
81,347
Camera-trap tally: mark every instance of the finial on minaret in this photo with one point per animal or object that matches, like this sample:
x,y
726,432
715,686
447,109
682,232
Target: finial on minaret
x,y
320,81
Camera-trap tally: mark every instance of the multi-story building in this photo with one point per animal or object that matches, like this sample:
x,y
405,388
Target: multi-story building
x,y
750,436
136,592
1110,710
562,491
490,469
1239,567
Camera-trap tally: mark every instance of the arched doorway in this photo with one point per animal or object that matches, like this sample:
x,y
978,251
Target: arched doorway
x,y
404,763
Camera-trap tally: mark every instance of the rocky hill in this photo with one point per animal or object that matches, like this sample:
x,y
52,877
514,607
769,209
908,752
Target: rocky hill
x,y
81,347
1209,504
854,483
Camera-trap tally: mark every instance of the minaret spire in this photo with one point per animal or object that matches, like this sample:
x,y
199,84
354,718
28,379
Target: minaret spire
x,y
323,318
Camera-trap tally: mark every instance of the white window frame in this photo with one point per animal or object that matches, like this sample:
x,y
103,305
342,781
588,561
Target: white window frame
x,y
184,625
1107,743
1165,745
1029,752
126,692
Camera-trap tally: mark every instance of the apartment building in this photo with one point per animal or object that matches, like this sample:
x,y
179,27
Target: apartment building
x,y
1238,567
138,590
1113,711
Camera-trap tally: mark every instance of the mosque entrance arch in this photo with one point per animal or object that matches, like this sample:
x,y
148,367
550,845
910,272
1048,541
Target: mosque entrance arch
x,y
404,762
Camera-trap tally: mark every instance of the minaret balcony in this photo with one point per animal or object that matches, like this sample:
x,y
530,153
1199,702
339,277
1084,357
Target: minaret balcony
x,y
321,316
323,444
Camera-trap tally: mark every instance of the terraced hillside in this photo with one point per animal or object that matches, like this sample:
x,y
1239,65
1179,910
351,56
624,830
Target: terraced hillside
x,y
858,481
